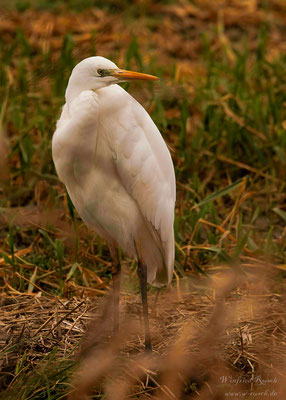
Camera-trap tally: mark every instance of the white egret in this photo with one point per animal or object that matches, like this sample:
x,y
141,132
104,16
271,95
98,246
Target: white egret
x,y
118,172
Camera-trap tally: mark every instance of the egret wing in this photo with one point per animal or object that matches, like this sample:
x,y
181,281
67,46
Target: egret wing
x,y
145,167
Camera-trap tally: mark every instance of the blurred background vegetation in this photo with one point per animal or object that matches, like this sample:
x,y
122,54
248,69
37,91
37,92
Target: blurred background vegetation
x,y
220,105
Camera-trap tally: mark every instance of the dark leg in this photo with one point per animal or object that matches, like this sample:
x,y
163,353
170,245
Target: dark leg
x,y
142,275
116,272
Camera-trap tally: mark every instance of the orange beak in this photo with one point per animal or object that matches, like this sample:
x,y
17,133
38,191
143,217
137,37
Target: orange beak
x,y
124,75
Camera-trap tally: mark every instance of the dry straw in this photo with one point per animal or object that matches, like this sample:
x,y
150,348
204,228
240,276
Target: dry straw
x,y
218,338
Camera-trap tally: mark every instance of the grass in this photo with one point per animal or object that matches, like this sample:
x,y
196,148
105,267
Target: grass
x,y
220,106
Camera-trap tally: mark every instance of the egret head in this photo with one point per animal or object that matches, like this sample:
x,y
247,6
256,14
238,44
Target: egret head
x,y
94,73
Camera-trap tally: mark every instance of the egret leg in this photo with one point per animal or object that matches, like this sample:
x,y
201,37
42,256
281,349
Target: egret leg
x,y
142,275
116,275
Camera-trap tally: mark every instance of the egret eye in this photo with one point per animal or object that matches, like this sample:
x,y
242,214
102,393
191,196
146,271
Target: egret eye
x,y
100,72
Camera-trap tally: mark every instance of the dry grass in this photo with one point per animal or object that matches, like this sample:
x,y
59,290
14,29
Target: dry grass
x,y
210,339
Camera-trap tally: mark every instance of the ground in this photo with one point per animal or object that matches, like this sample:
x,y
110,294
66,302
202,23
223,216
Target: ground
x,y
219,331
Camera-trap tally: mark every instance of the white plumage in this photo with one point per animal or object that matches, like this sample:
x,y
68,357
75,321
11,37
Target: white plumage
x,y
116,166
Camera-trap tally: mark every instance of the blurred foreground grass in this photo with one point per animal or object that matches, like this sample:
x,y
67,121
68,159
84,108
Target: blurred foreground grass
x,y
220,105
